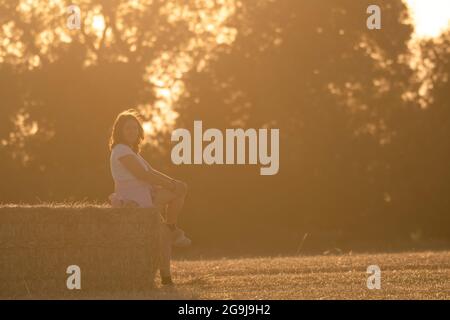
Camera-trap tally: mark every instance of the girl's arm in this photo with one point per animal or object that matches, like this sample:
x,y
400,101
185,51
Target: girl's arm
x,y
152,176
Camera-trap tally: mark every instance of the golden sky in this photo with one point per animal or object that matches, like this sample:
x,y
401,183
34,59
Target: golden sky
x,y
431,17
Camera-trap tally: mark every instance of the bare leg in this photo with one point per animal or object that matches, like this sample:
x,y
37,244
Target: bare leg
x,y
166,252
173,209
170,203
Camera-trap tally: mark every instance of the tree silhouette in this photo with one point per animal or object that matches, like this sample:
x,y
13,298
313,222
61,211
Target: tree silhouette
x,y
363,153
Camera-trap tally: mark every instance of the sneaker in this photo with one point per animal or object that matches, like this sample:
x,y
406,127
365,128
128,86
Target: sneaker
x,y
179,239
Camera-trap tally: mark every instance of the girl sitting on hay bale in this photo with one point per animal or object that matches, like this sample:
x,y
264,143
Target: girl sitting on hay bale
x,y
137,184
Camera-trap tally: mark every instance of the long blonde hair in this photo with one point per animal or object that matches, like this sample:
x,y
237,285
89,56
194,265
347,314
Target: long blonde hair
x,y
117,131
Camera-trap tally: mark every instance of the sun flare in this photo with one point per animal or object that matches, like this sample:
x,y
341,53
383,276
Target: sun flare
x,y
431,17
98,23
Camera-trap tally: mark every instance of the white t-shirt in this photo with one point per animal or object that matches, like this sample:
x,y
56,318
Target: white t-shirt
x,y
119,172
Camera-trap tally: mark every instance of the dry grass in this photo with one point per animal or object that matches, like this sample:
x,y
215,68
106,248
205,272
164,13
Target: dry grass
x,y
424,275
77,205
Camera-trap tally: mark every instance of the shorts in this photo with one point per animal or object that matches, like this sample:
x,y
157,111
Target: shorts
x,y
135,190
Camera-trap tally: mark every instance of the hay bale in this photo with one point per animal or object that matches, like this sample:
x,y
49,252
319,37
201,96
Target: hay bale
x,y
117,250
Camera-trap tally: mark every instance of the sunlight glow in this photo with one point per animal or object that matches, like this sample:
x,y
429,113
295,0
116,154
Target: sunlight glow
x,y
98,23
431,17
209,32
